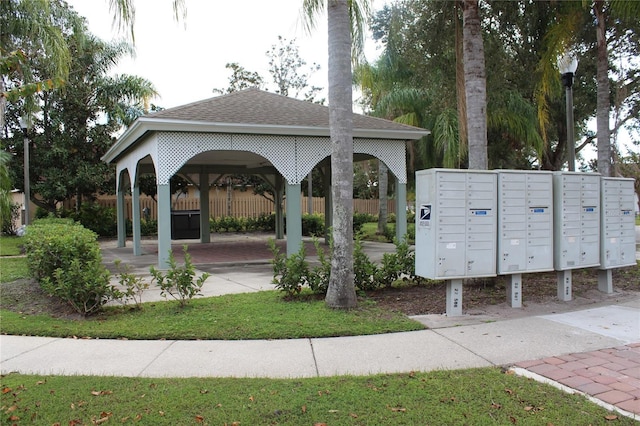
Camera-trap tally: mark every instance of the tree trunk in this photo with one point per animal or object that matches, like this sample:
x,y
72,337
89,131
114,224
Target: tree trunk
x,y
475,82
383,185
460,91
603,102
341,292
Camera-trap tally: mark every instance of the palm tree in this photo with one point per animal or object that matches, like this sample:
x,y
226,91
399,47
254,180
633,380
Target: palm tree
x,y
475,83
29,30
344,18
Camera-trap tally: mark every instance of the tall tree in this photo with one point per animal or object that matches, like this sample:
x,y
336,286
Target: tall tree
x,y
29,29
475,84
241,79
290,72
77,123
344,16
602,77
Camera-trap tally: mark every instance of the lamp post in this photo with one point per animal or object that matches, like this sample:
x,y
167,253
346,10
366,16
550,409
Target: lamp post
x,y
24,125
567,64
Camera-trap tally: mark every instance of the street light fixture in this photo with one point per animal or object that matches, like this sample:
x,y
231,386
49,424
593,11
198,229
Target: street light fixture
x,y
567,64
25,124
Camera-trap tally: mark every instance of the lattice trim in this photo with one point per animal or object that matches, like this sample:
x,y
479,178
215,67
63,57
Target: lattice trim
x,y
391,152
176,148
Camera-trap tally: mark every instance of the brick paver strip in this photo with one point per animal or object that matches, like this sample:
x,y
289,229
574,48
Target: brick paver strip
x,y
614,396
558,374
592,360
573,366
604,380
576,381
606,372
529,364
543,368
623,387
553,361
594,388
632,406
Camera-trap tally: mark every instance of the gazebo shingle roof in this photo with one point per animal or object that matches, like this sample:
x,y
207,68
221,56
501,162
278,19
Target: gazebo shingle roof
x,y
257,107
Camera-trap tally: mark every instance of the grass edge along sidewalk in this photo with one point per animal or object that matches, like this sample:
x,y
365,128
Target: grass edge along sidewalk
x,y
473,396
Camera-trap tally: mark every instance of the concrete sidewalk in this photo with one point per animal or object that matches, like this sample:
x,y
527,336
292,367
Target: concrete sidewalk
x,y
501,343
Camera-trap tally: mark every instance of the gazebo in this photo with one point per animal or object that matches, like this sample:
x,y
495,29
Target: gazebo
x,y
250,132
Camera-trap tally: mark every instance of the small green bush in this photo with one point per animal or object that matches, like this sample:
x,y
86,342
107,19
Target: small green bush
x,y
319,276
360,219
293,271
312,225
179,280
365,271
132,286
64,257
84,286
100,219
53,243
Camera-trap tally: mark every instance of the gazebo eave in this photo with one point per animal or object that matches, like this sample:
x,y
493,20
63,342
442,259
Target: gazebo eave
x,y
144,125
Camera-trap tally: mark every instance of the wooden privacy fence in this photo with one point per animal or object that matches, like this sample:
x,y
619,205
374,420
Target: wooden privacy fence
x,y
245,206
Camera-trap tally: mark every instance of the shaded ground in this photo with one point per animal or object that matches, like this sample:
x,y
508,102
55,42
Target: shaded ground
x,y
539,294
479,297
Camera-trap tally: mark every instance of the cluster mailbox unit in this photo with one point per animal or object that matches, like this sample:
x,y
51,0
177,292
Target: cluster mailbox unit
x,y
456,222
525,227
576,225
473,224
618,241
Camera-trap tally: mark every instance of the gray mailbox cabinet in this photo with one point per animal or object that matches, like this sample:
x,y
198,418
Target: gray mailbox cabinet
x,y
576,220
456,223
525,221
618,242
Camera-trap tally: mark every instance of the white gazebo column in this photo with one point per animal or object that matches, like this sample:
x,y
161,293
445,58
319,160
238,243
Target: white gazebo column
x,y
205,230
401,210
164,225
120,218
294,218
135,217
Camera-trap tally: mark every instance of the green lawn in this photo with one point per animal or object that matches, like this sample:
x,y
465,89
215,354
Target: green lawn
x,y
464,397
10,246
262,315
13,268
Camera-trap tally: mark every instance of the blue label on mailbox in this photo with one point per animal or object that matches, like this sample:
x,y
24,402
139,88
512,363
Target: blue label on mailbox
x,y
479,212
589,209
538,210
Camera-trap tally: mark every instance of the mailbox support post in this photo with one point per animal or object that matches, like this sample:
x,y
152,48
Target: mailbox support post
x,y
514,290
454,298
564,285
605,281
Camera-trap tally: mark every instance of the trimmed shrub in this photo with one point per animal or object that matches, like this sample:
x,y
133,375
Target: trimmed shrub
x,y
53,243
312,225
360,219
64,257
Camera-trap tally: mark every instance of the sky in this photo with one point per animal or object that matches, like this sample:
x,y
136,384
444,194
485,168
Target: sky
x,y
186,60
185,64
